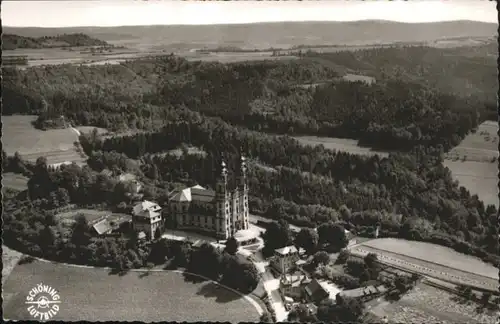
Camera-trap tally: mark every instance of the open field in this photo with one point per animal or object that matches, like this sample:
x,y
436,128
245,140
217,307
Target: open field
x,y
19,135
52,56
339,144
426,304
10,258
93,294
90,129
481,146
474,162
273,35
190,150
264,37
435,253
479,178
14,181
91,215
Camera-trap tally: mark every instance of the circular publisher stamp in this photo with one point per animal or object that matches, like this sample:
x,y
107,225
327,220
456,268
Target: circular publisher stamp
x,y
43,302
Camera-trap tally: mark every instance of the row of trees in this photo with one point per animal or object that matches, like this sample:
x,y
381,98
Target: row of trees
x,y
230,270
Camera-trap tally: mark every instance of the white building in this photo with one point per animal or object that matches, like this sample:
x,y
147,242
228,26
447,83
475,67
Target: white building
x,y
285,259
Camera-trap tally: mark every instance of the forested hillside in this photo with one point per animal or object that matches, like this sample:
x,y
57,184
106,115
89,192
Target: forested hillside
x,y
12,42
412,102
225,108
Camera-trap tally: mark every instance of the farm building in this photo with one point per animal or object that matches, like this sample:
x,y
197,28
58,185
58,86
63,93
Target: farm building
x,y
315,292
109,223
128,178
364,293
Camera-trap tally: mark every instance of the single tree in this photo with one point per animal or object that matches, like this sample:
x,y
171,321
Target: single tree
x,y
231,246
307,239
321,257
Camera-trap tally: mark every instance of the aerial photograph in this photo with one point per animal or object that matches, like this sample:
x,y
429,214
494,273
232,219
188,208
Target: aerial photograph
x,y
250,161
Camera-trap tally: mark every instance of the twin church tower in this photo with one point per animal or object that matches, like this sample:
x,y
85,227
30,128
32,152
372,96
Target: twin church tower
x,y
221,213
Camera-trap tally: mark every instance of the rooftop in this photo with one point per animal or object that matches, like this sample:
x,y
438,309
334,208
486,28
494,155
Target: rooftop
x,y
127,177
316,290
294,280
195,193
102,226
287,250
146,208
362,291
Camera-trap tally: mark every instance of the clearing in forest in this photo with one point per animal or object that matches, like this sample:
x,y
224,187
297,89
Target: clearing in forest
x,y
14,181
474,163
57,145
339,144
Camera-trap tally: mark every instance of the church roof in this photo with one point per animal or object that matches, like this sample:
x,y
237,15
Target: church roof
x,y
195,193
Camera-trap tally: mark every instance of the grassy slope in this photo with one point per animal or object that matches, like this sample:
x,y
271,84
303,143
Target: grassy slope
x,y
93,294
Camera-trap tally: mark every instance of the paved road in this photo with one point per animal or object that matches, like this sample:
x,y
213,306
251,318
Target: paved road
x,y
271,284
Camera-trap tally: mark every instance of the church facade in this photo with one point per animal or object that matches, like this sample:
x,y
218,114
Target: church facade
x,y
220,213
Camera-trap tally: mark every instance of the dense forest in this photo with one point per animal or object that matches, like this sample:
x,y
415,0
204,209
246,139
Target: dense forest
x,y
222,109
12,42
414,101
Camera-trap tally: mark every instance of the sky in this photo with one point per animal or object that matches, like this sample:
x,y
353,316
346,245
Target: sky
x,y
171,12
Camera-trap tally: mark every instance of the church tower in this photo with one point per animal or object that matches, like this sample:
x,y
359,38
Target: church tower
x,y
243,193
222,199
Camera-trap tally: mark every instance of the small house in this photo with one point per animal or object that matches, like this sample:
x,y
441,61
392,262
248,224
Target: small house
x,y
315,292
292,285
102,227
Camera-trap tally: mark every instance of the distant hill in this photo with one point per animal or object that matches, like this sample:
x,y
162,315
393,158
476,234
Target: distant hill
x,y
14,41
276,35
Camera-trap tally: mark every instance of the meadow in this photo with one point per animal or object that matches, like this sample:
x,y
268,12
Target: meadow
x,y
91,215
283,38
95,294
474,162
14,181
10,258
437,254
57,145
339,144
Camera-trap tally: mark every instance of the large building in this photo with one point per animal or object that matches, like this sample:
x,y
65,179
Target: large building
x,y
220,213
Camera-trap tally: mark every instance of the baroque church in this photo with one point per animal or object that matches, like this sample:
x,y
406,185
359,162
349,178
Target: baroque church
x,y
220,213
